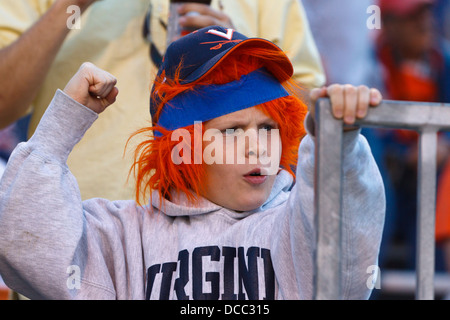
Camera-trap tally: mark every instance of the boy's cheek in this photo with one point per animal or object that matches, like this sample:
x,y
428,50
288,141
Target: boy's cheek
x,y
213,147
272,169
271,159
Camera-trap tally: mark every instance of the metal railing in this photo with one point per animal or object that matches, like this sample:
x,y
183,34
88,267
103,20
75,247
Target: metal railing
x,y
427,119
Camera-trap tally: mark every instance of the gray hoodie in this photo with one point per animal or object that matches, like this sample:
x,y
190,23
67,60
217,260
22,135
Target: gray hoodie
x,y
53,245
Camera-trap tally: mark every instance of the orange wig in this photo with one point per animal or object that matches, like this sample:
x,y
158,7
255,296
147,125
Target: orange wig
x,y
153,167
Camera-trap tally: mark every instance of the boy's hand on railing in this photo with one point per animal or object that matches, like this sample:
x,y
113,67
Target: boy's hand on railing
x,y
348,102
93,87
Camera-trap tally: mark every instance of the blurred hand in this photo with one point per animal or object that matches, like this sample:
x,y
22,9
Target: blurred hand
x,y
205,16
83,4
348,102
93,87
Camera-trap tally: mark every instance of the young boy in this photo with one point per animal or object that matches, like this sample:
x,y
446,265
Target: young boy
x,y
225,219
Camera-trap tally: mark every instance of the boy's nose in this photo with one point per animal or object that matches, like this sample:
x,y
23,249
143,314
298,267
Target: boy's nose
x,y
254,147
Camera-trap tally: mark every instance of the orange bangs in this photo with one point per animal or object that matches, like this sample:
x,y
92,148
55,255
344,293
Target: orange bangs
x,y
153,166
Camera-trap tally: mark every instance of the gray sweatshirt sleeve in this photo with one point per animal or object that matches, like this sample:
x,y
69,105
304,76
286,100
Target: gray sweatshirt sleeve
x,y
363,216
45,257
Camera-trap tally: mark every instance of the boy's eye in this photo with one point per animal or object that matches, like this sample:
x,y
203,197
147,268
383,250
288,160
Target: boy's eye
x,y
230,131
237,130
267,127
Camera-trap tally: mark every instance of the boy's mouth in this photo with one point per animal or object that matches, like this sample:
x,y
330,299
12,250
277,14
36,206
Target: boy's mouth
x,y
254,173
255,177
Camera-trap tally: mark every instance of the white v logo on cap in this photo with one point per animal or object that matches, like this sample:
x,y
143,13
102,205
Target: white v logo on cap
x,y
228,35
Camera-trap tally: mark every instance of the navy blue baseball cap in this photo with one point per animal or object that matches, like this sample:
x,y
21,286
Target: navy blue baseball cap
x,y
202,50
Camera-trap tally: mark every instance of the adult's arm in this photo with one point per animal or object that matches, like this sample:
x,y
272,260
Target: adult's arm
x,y
25,62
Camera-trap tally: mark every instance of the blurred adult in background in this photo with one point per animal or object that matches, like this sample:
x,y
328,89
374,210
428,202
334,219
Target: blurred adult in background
x,y
39,52
407,60
415,67
343,39
414,58
346,46
442,13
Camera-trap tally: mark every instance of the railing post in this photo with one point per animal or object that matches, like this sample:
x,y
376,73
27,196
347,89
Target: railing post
x,y
427,119
426,212
328,202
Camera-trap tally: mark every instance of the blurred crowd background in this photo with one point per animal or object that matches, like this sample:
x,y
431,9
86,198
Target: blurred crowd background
x,y
406,58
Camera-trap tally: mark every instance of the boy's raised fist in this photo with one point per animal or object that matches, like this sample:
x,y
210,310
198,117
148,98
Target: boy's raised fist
x,y
93,87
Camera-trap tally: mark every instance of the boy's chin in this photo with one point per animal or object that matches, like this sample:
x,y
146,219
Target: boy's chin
x,y
249,206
